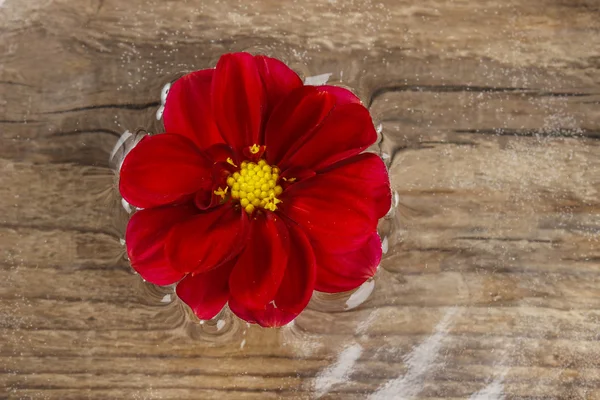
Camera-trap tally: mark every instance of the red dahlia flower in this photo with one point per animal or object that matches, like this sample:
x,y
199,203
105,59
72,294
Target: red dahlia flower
x,y
258,193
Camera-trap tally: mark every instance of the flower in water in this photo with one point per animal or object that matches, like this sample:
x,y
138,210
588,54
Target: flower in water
x,y
258,193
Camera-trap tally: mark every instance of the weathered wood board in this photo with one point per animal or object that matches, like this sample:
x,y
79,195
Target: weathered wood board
x,y
490,288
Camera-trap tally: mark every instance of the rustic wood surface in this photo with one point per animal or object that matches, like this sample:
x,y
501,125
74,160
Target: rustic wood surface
x,y
490,289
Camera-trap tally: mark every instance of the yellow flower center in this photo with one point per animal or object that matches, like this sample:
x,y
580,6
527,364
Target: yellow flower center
x,y
255,186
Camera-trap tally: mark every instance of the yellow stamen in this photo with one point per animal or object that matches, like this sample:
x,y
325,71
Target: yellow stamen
x,y
254,149
255,185
230,161
221,192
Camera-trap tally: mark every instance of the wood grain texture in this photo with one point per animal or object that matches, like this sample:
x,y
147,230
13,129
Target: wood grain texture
x,y
491,123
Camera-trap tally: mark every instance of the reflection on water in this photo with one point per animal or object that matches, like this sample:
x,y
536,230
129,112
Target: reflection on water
x,y
226,324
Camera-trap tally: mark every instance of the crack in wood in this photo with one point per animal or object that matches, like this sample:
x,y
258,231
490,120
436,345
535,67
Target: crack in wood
x,y
16,121
126,106
579,133
13,83
85,131
506,239
468,88
51,228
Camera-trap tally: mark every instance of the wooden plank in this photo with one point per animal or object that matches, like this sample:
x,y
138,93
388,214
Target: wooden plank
x,y
490,285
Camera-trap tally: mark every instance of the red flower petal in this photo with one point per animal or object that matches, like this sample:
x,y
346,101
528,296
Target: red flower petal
x,y
261,266
340,208
241,311
163,169
295,290
220,172
238,99
293,120
368,173
278,79
145,238
331,282
299,280
221,152
207,240
270,317
207,292
347,131
342,95
187,110
342,272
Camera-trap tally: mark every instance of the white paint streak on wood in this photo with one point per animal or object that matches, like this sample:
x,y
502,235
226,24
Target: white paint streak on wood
x,y
419,361
339,371
493,391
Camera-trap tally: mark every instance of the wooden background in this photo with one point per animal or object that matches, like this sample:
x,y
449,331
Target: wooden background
x,y
491,120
